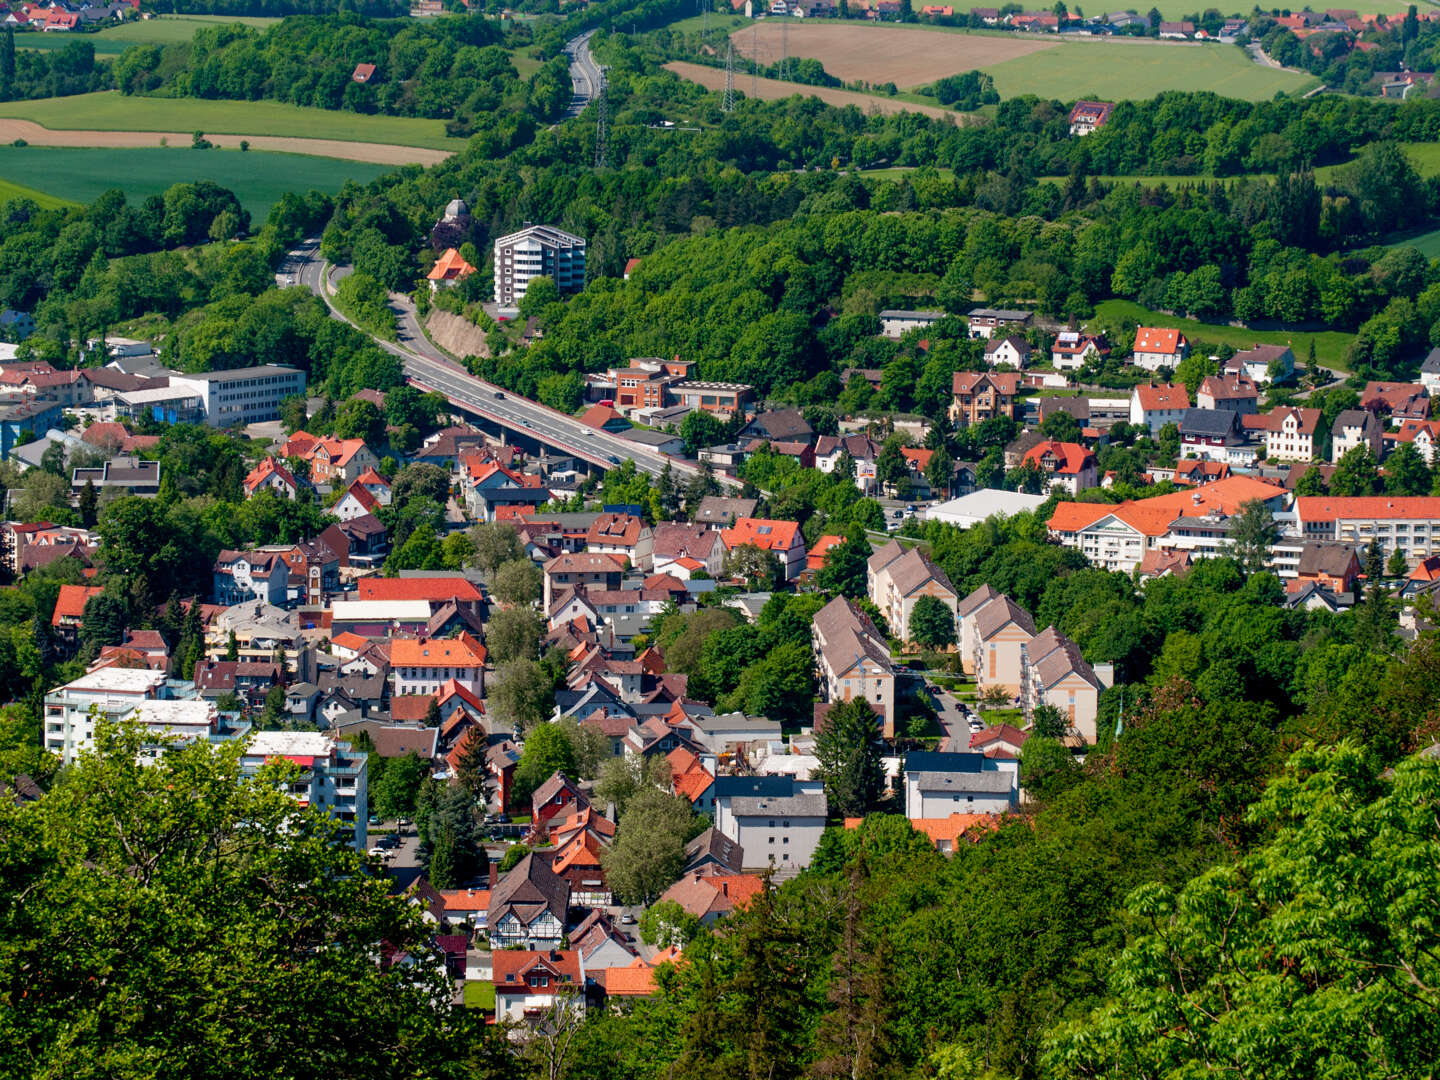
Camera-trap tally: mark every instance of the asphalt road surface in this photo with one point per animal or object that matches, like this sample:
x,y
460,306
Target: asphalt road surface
x,y
429,369
584,73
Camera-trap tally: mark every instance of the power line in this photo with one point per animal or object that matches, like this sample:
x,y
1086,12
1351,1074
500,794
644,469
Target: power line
x,y
785,50
602,122
728,105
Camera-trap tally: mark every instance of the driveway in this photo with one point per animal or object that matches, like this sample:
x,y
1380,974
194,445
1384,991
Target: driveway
x,y
955,728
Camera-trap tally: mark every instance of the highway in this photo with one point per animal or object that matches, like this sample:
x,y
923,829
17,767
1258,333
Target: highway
x,y
429,369
584,73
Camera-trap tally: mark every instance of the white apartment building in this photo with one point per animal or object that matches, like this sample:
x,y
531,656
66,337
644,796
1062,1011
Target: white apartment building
x,y
537,251
1357,427
776,820
1410,523
940,784
113,693
242,395
331,775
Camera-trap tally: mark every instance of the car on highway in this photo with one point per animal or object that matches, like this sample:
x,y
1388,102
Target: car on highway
x,y
613,460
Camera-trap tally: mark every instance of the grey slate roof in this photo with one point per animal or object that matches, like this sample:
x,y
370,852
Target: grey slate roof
x,y
791,806
987,782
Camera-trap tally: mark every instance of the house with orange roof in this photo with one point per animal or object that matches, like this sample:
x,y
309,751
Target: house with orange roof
x,y
1290,433
1157,347
1065,464
436,591
69,614
423,665
273,475
466,905
710,897
622,535
690,778
1154,406
376,484
577,860
451,266
330,458
819,552
1399,401
948,833
782,538
681,549
633,980
530,985
1424,435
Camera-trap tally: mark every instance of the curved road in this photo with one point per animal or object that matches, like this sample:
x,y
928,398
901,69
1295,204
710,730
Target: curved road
x,y
429,369
584,73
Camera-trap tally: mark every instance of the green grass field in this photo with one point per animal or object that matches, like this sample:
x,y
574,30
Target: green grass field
x,y
45,200
525,63
1114,71
161,30
1330,345
480,995
1428,244
258,178
110,110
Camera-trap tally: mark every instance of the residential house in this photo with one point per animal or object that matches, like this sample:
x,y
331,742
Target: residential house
x,y
779,425
1290,433
449,268
69,614
722,511
1357,427
1430,373
1333,566
712,896
829,449
1399,401
1072,349
938,784
272,475
1154,406
239,576
1210,433
1238,393
624,536
600,943
1156,347
1014,351
1002,629
691,778
896,323
1262,364
776,820
1067,465
853,659
529,906
897,577
1424,435
1056,674
588,569
978,397
424,665
558,797
713,852
331,459
123,474
1177,31
781,538
579,844
984,322
1087,116
683,550
356,502
532,985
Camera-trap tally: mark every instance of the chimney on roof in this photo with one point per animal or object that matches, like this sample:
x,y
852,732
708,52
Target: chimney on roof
x,y
494,873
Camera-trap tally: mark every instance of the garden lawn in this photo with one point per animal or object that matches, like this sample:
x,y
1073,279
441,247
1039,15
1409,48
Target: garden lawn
x,y
1111,71
109,110
480,995
113,40
1331,346
1428,244
257,177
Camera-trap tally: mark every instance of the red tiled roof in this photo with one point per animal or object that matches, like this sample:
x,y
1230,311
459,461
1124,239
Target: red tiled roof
x,y
433,589
437,652
1330,507
763,533
71,601
637,979
597,416
1071,458
451,266
1163,396
1153,339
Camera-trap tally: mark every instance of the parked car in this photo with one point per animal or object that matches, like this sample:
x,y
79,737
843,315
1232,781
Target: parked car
x,y
379,853
374,821
627,919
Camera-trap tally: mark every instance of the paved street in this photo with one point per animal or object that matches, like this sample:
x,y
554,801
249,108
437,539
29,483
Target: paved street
x,y
956,728
584,73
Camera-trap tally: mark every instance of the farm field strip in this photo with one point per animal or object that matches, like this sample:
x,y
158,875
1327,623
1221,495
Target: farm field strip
x,y
258,178
111,111
775,90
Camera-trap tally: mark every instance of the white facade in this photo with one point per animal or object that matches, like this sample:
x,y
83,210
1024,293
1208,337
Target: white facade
x,y
537,251
71,711
1289,441
242,395
779,832
938,794
331,776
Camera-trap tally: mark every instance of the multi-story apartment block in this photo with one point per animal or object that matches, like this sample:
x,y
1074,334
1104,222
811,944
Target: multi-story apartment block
x,y
424,665
897,577
1055,673
242,395
536,251
853,659
776,820
331,777
1411,523
978,397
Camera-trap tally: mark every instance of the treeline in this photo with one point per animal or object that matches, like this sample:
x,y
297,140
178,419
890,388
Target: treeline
x,y
34,73
453,69
375,9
